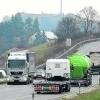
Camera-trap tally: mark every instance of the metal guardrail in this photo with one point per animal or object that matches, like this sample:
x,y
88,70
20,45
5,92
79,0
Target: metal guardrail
x,y
70,50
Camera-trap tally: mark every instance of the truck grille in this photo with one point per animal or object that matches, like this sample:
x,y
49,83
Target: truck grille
x,y
16,73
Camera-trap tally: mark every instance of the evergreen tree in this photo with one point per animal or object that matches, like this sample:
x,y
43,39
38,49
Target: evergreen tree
x,y
36,26
29,26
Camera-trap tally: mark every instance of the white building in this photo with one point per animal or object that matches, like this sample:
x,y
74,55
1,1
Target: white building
x,y
50,37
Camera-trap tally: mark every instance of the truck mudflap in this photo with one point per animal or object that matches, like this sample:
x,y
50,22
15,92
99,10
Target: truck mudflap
x,y
50,88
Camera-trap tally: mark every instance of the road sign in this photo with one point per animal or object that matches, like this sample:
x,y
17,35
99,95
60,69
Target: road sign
x,y
68,42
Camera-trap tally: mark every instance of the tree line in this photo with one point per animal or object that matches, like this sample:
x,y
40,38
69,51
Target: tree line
x,y
16,32
83,23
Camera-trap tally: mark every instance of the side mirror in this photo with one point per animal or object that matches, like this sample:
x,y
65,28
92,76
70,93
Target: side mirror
x,y
72,68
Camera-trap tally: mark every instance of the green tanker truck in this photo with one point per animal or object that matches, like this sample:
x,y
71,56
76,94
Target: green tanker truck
x,y
80,69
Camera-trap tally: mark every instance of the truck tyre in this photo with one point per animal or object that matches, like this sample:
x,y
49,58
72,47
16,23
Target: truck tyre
x,y
90,82
38,92
28,81
60,89
8,83
67,88
86,84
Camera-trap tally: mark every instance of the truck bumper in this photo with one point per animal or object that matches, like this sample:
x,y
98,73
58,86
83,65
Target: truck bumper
x,y
20,79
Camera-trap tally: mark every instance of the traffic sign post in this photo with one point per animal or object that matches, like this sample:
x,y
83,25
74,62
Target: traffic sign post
x,y
99,80
79,84
33,96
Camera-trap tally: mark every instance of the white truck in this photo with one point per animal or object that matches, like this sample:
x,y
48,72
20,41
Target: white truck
x,y
57,78
20,66
95,58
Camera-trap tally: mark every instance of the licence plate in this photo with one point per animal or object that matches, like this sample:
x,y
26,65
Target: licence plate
x,y
46,88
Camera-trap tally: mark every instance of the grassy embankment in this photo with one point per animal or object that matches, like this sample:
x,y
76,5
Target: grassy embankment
x,y
93,95
40,51
45,51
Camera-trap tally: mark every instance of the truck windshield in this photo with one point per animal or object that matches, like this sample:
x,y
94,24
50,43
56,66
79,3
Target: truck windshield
x,y
16,63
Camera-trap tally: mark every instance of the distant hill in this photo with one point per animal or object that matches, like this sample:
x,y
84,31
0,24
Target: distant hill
x,y
47,22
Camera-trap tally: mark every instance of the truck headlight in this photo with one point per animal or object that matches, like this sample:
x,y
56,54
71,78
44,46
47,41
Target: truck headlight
x,y
9,78
24,78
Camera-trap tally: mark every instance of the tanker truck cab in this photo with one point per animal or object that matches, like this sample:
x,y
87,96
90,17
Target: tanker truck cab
x,y
18,67
57,77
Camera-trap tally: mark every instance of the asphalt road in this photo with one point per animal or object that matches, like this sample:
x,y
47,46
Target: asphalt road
x,y
86,48
24,92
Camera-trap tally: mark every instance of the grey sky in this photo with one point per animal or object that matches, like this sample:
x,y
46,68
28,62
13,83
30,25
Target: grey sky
x,y
9,7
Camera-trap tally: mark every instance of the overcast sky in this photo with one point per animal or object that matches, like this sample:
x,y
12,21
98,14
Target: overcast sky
x,y
9,7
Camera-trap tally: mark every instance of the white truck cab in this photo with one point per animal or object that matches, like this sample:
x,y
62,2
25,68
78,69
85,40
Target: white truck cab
x,y
20,66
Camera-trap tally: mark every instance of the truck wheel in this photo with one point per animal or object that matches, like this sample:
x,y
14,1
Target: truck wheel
x,y
90,82
86,84
8,83
60,89
38,92
27,82
67,88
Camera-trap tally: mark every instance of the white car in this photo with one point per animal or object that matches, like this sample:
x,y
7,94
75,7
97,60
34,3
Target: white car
x,y
39,72
37,80
2,76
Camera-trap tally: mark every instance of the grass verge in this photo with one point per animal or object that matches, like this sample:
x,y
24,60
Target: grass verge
x,y
93,95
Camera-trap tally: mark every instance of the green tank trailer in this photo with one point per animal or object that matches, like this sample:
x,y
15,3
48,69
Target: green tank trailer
x,y
80,69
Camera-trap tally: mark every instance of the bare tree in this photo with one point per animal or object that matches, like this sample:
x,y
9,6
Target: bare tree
x,y
88,16
67,28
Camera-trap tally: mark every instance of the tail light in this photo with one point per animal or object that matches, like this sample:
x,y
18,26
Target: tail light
x,y
38,87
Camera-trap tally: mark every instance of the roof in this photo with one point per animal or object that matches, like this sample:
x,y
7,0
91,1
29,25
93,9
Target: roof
x,y
57,60
50,35
17,55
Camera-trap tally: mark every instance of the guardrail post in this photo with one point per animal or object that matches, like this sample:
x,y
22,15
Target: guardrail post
x,y
79,84
99,80
33,96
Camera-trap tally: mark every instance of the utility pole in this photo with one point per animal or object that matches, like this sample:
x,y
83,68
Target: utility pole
x,y
61,7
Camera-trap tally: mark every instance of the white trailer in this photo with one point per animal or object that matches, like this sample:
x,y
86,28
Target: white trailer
x,y
57,77
20,66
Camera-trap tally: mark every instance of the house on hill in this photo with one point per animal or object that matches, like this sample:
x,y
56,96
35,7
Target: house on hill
x,y
43,37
